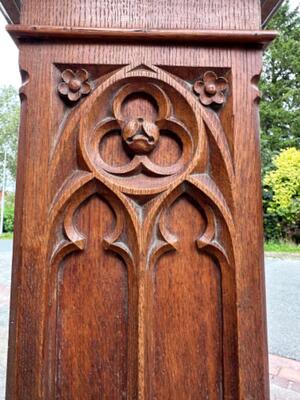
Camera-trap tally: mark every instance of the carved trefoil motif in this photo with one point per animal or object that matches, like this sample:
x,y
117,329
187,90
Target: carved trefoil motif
x,y
143,142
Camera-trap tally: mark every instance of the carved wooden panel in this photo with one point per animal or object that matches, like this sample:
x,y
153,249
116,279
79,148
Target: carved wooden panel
x,y
141,148
139,274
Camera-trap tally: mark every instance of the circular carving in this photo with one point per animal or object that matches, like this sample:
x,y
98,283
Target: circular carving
x,y
161,134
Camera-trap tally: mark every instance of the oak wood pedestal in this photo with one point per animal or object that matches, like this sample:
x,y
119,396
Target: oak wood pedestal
x,y
138,251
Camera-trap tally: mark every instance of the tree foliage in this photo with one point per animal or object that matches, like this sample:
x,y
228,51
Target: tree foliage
x,y
9,126
280,86
9,212
284,184
280,125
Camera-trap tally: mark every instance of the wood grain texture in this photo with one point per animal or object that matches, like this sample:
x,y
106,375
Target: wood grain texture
x,y
166,14
187,331
136,272
88,338
12,9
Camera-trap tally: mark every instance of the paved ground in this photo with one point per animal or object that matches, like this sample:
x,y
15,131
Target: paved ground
x,y
5,245
5,262
284,378
283,302
283,306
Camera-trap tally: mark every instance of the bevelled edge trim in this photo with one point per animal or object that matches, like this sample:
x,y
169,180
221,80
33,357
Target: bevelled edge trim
x,y
217,37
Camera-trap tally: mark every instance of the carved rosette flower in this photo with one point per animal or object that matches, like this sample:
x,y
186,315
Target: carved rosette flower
x,y
74,85
211,89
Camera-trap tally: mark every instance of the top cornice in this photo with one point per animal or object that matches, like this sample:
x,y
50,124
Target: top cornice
x,y
176,36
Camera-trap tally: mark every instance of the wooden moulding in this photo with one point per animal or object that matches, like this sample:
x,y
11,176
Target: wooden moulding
x,y
217,37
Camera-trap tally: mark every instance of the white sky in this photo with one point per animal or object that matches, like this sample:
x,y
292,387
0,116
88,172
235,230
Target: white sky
x,y
9,69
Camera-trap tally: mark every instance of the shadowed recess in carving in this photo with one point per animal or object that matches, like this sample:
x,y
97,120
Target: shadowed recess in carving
x,y
139,104
111,149
170,146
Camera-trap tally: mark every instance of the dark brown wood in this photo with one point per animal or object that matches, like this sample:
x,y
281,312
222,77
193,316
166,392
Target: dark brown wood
x,y
138,252
226,37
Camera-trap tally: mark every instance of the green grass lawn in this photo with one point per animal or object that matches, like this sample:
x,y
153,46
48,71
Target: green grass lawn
x,y
282,247
8,235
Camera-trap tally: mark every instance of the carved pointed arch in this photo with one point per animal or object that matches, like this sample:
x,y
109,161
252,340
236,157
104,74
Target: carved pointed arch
x,y
206,194
62,217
